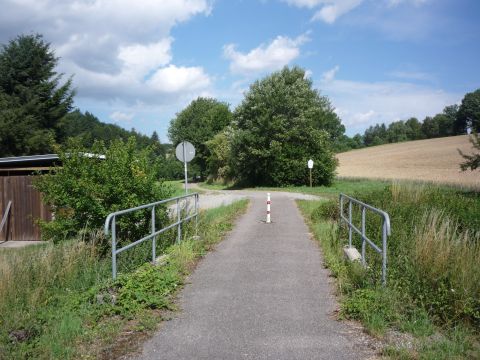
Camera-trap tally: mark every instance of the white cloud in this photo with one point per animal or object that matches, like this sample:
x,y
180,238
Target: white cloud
x,y
173,79
394,3
360,104
118,116
330,74
280,52
112,46
327,10
411,75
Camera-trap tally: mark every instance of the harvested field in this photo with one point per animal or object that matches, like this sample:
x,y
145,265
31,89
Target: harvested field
x,y
432,160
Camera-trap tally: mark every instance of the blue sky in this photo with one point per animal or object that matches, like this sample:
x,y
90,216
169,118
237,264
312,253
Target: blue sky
x,y
138,63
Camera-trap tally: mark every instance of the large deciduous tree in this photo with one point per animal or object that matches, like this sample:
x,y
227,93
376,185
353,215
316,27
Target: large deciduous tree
x,y
281,123
32,99
198,123
468,115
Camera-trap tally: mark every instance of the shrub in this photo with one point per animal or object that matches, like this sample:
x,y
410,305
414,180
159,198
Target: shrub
x,y
86,188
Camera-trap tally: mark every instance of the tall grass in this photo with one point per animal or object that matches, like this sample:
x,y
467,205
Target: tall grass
x,y
433,265
56,300
448,260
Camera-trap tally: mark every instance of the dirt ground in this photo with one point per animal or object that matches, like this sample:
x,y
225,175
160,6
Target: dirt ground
x,y
435,160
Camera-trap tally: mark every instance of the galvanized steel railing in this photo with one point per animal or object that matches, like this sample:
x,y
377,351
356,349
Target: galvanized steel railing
x,y
110,224
385,230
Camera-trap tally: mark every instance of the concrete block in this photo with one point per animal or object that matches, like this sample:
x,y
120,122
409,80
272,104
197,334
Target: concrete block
x,y
351,253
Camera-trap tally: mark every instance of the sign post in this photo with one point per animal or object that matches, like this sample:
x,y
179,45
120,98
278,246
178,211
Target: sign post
x,y
185,152
310,167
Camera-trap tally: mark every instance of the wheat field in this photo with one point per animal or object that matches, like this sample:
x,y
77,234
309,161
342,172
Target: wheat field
x,y
431,160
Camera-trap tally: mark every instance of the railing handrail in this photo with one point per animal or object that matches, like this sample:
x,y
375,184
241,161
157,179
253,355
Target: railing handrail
x,y
110,222
6,214
386,231
141,207
385,215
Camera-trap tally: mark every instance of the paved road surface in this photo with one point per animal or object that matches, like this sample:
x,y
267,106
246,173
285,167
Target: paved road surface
x,y
263,294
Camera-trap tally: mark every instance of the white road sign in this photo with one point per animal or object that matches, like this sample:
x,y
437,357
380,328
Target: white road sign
x,y
185,148
310,164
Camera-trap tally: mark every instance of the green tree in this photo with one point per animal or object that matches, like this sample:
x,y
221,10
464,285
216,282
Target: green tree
x,y
472,161
468,115
32,98
397,132
430,127
279,127
198,123
85,189
219,167
414,129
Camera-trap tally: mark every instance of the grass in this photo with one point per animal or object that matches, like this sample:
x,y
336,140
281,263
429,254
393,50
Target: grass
x,y
59,302
338,186
433,272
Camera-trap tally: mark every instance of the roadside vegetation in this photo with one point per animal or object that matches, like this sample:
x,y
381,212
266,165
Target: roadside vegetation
x,y
57,301
433,273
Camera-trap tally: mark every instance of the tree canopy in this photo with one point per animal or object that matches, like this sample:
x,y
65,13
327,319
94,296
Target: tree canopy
x,y
198,123
32,98
469,112
281,123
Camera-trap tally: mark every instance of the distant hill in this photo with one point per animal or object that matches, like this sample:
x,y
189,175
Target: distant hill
x,y
434,160
89,128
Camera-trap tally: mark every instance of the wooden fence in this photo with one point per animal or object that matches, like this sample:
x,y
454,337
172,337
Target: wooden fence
x,y
27,207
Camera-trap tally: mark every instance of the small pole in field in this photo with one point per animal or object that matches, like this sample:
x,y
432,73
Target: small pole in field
x,y
268,209
310,167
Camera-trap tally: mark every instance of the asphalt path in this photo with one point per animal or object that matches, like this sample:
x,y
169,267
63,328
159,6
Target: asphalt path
x,y
262,294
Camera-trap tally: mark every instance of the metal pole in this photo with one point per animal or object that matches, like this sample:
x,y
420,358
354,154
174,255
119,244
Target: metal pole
x,y
384,253
363,236
350,223
310,178
185,166
154,238
268,208
196,214
114,250
179,229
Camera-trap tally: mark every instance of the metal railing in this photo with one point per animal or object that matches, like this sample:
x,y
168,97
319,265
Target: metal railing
x,y
385,230
6,216
110,225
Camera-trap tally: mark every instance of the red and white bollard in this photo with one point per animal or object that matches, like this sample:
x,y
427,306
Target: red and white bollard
x,y
268,208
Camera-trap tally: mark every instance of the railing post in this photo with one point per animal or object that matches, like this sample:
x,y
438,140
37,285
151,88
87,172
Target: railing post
x,y
154,238
179,231
363,236
196,214
114,248
349,222
384,253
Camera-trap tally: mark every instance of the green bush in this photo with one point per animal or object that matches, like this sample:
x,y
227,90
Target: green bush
x,y
87,187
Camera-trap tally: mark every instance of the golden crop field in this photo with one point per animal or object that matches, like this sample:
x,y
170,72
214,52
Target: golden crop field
x,y
434,160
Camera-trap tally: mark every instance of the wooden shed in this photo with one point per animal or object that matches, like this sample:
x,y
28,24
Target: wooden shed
x,y
21,205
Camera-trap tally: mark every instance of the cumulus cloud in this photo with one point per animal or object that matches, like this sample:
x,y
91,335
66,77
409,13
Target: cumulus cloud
x,y
280,52
172,79
330,74
111,46
118,116
327,10
360,104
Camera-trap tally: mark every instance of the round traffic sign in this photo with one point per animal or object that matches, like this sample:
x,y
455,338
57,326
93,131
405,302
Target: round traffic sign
x,y
310,164
185,151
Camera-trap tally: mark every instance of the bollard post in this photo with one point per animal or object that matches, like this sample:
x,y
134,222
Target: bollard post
x,y
268,208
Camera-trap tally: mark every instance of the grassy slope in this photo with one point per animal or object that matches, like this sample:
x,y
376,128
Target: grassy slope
x,y
56,300
434,275
433,160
